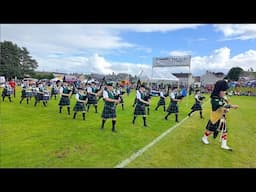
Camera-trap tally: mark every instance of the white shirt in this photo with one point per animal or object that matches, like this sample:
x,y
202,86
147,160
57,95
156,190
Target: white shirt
x,y
138,95
89,89
77,96
105,94
61,90
161,94
172,95
197,97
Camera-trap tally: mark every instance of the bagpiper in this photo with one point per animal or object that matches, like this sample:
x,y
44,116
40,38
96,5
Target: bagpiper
x,y
198,104
217,120
65,93
7,92
81,99
161,101
109,110
92,96
173,107
140,107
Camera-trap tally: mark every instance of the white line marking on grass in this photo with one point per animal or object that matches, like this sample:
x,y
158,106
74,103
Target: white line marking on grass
x,y
138,153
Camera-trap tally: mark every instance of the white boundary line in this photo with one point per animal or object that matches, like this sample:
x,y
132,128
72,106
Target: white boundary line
x,y
138,153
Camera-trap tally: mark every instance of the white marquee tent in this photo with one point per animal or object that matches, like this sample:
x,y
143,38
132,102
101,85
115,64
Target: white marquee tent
x,y
158,75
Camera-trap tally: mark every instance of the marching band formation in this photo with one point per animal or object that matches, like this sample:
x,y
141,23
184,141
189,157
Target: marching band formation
x,y
89,94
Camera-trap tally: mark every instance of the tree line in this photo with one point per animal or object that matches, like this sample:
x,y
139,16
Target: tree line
x,y
16,61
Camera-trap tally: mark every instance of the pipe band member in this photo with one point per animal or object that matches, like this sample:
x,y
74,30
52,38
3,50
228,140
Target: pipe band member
x,y
217,119
109,110
173,107
92,96
161,101
198,104
81,99
65,93
140,108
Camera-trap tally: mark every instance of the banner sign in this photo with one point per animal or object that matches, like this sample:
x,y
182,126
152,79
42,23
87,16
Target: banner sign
x,y
172,61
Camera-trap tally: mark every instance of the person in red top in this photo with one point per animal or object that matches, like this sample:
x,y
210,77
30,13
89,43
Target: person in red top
x,y
13,85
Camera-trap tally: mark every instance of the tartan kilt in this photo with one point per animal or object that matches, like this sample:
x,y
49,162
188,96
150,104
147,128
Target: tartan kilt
x,y
79,107
29,94
92,99
173,108
23,94
64,101
4,92
140,109
196,107
109,112
161,101
214,127
39,97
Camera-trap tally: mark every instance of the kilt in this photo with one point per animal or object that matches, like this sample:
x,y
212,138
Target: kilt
x,y
9,92
29,94
23,94
109,111
46,97
214,127
79,107
4,92
173,108
92,99
64,100
140,109
161,101
196,107
39,97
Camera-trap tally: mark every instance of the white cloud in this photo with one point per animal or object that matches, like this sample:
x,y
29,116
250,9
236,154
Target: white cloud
x,y
92,64
237,31
220,61
180,53
153,27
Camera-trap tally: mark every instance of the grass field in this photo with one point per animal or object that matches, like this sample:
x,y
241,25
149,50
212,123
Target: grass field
x,y
41,137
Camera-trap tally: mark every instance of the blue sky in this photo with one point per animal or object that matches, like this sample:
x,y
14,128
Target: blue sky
x,y
107,48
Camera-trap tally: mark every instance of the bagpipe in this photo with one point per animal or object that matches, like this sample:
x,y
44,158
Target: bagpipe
x,y
117,96
179,97
201,98
102,83
147,97
83,97
70,89
168,91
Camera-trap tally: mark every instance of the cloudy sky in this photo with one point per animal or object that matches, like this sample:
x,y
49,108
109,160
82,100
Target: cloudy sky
x,y
107,48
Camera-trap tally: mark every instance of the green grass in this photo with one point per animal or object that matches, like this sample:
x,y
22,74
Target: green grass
x,y
41,137
183,148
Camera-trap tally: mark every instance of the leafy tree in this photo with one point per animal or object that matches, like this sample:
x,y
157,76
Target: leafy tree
x,y
15,61
234,73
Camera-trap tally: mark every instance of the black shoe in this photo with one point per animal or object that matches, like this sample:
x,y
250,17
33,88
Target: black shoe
x,y
165,118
